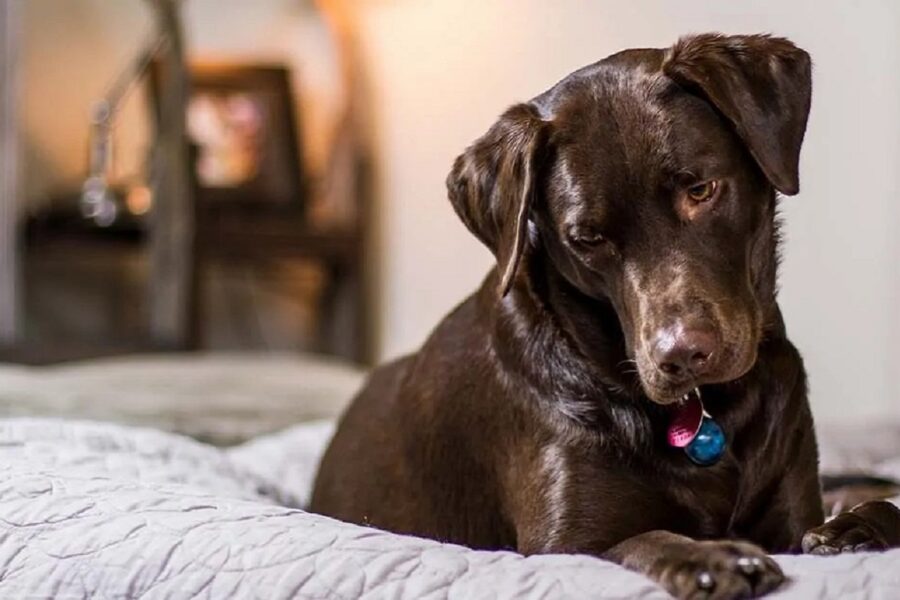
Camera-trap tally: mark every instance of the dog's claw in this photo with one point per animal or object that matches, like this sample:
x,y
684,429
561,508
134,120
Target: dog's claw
x,y
749,565
868,527
705,581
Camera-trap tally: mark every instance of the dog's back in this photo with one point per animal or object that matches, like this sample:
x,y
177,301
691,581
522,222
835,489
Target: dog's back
x,y
411,454
363,469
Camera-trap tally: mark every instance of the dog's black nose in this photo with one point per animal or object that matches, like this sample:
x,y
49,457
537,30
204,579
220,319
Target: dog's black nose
x,y
681,351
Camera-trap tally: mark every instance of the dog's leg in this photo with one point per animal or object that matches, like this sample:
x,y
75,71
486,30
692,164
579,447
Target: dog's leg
x,y
867,527
688,568
624,520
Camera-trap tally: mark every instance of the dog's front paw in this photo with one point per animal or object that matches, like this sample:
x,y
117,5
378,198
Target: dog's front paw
x,y
870,527
720,570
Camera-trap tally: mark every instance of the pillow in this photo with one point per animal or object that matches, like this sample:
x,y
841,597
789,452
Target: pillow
x,y
221,398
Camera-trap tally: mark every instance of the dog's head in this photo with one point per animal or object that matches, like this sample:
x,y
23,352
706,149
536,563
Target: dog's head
x,y
649,181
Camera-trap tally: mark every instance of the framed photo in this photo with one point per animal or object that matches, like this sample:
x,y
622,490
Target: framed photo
x,y
241,123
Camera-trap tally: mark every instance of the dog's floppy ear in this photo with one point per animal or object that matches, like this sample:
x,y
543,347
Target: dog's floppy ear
x,y
762,85
493,184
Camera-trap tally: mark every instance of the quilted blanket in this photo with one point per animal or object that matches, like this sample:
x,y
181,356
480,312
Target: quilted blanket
x,y
108,511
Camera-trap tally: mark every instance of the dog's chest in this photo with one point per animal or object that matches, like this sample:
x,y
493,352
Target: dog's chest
x,y
707,498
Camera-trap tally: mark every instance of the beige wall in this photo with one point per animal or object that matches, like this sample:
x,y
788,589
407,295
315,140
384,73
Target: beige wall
x,y
71,52
443,69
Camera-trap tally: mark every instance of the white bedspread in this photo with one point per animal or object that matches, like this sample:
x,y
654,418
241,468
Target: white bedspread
x,y
100,510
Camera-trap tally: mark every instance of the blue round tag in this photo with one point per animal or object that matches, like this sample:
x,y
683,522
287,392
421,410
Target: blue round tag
x,y
709,444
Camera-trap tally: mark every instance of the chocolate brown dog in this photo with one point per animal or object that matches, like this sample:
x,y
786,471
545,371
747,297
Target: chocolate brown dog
x,y
632,212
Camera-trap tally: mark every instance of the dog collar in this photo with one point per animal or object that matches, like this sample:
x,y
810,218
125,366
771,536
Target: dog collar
x,y
694,430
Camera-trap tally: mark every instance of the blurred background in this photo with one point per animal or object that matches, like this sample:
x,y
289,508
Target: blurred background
x,y
262,183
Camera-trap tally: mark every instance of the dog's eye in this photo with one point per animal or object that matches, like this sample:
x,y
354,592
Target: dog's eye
x,y
587,237
702,192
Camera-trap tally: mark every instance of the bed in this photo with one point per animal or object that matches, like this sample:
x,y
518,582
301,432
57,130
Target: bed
x,y
101,509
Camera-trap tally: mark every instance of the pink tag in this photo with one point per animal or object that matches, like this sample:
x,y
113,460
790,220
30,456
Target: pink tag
x,y
685,422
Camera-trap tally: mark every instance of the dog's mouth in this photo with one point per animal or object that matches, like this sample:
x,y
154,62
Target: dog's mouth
x,y
674,397
667,393
694,393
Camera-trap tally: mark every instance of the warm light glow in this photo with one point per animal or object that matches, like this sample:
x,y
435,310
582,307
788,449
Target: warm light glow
x,y
139,200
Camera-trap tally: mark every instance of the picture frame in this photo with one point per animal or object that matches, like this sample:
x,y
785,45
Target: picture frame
x,y
245,137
